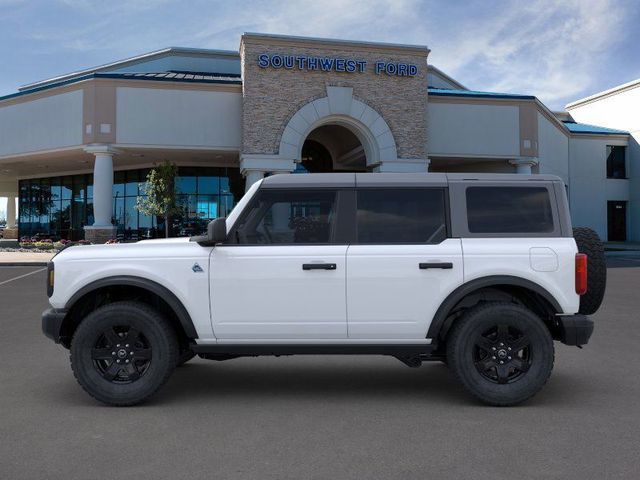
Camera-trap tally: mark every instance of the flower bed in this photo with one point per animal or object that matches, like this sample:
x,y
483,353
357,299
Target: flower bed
x,y
43,246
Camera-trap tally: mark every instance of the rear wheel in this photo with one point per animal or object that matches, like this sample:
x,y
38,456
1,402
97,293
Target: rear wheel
x,y
501,352
122,353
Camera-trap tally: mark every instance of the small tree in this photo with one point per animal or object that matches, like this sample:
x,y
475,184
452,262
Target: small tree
x,y
160,191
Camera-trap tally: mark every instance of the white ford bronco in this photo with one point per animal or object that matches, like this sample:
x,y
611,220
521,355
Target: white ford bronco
x,y
482,272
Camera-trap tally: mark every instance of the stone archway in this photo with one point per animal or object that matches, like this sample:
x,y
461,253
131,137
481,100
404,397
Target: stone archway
x,y
341,109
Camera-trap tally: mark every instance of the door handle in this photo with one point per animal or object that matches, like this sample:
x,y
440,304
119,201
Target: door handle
x,y
319,266
443,265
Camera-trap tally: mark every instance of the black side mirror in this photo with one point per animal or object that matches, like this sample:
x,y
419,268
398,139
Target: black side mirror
x,y
217,230
216,233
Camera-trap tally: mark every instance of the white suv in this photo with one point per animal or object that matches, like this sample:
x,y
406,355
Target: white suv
x,y
480,271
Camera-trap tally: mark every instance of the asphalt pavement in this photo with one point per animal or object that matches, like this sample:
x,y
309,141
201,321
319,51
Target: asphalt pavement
x,y
320,417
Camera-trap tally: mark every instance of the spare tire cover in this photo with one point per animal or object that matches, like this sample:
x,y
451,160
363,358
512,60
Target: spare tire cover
x,y
589,242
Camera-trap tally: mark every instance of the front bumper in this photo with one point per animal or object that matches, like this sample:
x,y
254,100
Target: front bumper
x,y
575,329
52,319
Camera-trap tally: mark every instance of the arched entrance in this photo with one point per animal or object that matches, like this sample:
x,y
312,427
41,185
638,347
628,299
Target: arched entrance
x,y
338,133
332,148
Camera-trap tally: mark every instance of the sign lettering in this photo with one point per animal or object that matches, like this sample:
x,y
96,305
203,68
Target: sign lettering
x,y
331,64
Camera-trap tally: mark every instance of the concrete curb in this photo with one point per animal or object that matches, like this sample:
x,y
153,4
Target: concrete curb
x,y
622,253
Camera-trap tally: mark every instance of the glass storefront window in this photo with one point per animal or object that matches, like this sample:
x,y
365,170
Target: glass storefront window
x,y
118,184
131,187
186,184
60,207
208,185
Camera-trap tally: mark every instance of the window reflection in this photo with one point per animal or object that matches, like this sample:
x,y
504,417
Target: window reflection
x,y
60,207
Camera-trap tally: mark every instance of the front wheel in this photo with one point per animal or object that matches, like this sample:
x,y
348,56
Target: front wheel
x,y
501,352
123,352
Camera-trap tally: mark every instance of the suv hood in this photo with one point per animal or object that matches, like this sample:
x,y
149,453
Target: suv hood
x,y
161,248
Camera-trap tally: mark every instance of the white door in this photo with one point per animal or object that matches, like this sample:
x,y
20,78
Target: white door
x,y
402,266
282,275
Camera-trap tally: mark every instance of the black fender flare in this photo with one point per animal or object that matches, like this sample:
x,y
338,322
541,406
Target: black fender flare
x,y
126,280
465,289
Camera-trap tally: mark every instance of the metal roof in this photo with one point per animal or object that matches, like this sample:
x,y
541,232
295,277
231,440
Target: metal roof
x,y
450,92
132,61
228,79
585,128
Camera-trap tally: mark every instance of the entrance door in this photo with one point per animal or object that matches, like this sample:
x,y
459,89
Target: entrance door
x,y
617,221
283,275
402,265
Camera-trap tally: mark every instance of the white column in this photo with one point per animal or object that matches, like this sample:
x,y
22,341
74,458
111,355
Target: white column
x,y
103,190
251,177
254,166
102,228
11,211
523,165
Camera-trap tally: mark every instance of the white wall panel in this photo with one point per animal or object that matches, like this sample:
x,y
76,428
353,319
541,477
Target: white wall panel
x,y
151,116
553,149
42,124
589,188
461,129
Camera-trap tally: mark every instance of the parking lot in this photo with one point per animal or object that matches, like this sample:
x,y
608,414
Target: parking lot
x,y
320,417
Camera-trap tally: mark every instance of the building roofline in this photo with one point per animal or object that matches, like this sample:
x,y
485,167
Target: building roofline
x,y
446,77
550,115
605,93
130,61
231,80
449,92
590,129
422,49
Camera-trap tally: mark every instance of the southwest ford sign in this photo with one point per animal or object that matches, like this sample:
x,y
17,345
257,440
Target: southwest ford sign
x,y
331,64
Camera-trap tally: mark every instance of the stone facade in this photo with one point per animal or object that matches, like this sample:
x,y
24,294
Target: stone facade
x,y
272,96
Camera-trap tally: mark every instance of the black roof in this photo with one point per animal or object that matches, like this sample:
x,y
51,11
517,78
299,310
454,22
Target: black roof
x,y
320,180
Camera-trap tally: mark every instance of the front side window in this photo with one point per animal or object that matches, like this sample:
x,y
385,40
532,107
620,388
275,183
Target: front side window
x,y
509,210
281,217
407,215
616,162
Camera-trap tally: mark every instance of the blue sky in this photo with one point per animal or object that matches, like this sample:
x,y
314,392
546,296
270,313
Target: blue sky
x,y
557,50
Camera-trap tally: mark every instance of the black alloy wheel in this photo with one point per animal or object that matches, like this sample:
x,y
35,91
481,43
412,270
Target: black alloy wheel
x,y
502,354
122,354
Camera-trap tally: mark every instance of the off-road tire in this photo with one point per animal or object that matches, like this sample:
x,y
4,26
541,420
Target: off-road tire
x,y
157,341
462,349
589,242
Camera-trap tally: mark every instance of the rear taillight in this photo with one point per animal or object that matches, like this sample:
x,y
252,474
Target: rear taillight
x,y
581,273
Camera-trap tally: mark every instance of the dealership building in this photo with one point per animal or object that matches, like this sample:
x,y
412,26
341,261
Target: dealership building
x,y
75,149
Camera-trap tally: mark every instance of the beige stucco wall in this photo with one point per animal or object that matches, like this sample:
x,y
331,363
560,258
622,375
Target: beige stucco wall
x,y
271,96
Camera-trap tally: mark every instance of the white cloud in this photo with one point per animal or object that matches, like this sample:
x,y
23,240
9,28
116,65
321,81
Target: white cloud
x,y
542,47
548,48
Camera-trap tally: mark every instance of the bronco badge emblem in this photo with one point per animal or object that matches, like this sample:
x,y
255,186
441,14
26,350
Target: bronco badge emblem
x,y
197,268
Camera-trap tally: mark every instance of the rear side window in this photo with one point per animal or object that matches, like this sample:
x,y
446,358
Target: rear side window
x,y
509,210
404,215
289,217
